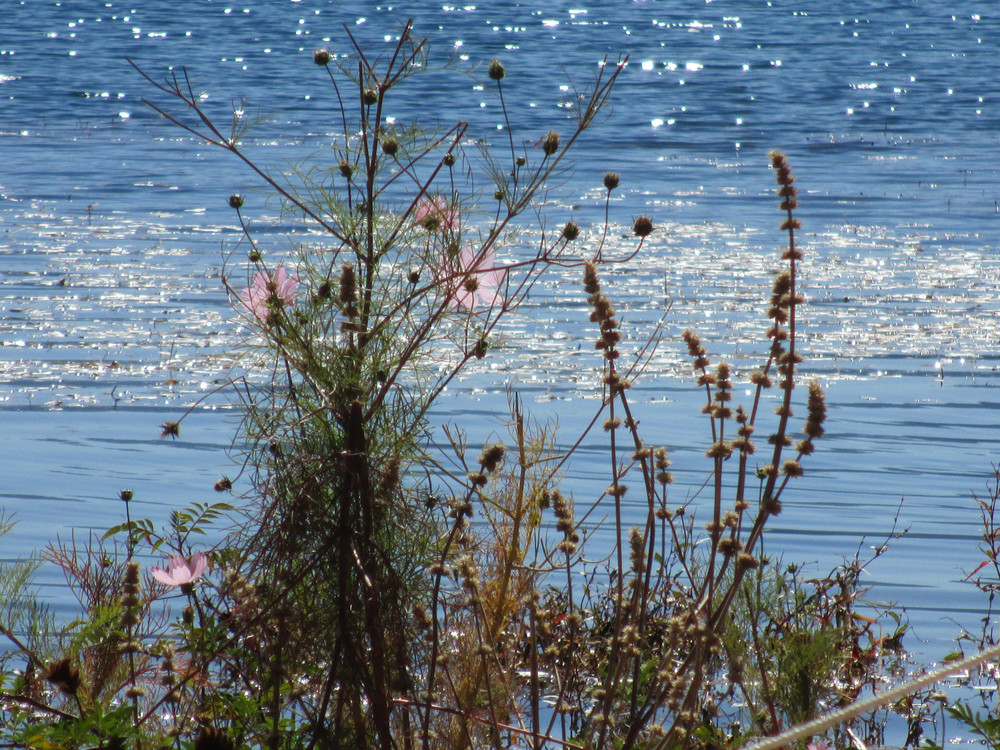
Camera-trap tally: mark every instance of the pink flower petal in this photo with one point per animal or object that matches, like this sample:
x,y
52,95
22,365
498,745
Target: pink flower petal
x,y
487,293
163,576
281,285
436,214
198,565
179,571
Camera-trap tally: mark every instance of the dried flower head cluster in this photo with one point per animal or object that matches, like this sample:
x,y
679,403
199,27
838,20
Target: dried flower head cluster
x,y
130,596
604,315
565,524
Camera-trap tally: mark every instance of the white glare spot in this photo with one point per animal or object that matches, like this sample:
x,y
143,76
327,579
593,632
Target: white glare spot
x,y
647,64
657,122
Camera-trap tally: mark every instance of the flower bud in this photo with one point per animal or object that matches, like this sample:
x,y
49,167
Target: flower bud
x,y
571,231
235,201
223,485
253,256
550,144
499,195
346,168
369,97
390,146
414,275
643,226
497,70
322,56
448,160
520,161
125,495
610,180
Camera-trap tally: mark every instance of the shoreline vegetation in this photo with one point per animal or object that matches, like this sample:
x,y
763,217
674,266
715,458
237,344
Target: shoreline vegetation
x,y
377,587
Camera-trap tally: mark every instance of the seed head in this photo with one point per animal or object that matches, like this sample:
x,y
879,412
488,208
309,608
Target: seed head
x,y
610,180
491,457
571,231
497,70
792,468
482,346
322,56
550,144
643,226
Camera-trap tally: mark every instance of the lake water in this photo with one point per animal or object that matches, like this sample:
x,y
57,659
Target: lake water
x,y
114,231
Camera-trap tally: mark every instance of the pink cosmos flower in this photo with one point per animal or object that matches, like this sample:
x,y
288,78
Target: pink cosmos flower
x,y
817,746
180,571
266,288
435,214
481,288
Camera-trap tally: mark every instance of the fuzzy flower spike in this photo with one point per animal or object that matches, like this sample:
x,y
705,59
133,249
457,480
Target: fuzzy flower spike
x,y
269,290
181,571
